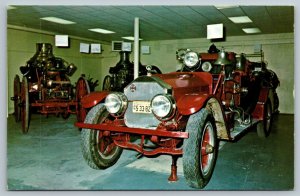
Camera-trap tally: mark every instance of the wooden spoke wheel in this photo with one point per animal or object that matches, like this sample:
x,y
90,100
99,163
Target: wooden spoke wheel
x,y
107,83
17,98
82,89
25,105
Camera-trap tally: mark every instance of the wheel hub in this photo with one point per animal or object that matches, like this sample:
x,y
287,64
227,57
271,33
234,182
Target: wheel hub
x,y
209,149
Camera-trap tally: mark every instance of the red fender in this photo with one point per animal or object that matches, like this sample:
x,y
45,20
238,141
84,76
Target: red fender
x,y
93,98
191,103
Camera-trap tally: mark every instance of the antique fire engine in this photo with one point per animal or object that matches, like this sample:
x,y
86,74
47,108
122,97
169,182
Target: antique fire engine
x,y
215,96
122,73
46,87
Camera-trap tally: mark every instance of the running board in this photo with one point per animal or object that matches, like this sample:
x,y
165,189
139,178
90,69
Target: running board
x,y
238,130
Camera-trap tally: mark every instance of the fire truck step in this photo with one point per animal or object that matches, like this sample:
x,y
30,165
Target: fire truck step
x,y
238,130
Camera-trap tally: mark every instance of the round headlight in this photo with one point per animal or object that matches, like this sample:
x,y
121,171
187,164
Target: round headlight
x,y
191,59
116,103
206,66
163,106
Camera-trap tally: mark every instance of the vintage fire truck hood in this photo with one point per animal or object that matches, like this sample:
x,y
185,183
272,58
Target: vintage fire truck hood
x,y
182,86
183,83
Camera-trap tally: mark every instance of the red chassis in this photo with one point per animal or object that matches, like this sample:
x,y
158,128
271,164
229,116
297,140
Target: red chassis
x,y
203,107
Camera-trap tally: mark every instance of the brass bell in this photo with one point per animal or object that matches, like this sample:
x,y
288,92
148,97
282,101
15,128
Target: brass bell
x,y
222,58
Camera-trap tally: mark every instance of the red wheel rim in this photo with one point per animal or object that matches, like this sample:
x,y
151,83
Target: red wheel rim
x,y
207,148
106,146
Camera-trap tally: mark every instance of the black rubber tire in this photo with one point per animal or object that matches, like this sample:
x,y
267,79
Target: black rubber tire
x,y
194,174
263,128
89,142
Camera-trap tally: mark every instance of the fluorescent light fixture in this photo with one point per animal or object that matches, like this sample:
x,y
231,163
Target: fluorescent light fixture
x,y
9,7
57,20
240,19
103,31
130,38
220,7
252,30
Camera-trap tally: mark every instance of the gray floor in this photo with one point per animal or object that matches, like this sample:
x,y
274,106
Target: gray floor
x,y
49,158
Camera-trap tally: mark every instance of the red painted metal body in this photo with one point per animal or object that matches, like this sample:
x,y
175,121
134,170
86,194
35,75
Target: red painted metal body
x,y
191,91
123,129
56,107
93,98
232,94
258,113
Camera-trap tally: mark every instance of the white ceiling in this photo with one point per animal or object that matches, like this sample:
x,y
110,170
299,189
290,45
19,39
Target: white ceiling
x,y
156,22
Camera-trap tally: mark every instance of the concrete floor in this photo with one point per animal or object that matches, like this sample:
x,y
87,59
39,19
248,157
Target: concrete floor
x,y
49,158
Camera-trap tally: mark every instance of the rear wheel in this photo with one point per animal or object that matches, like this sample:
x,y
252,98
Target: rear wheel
x,y
99,151
200,149
264,127
17,98
25,105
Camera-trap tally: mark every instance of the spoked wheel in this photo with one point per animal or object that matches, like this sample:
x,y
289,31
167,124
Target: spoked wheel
x,y
82,89
25,105
264,127
200,149
17,98
99,151
107,83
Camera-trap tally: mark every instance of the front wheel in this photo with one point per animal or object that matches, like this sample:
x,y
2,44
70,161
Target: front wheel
x,y
99,151
264,127
200,149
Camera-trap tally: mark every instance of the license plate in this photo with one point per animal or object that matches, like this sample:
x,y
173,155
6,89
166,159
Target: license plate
x,y
141,107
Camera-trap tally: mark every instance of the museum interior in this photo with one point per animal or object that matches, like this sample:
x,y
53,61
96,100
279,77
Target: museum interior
x,y
186,97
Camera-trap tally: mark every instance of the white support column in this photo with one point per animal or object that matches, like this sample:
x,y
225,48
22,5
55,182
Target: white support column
x,y
136,48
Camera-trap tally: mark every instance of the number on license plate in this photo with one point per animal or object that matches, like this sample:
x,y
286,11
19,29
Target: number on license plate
x,y
141,107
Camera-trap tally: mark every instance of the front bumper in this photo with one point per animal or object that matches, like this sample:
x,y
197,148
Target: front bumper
x,y
139,131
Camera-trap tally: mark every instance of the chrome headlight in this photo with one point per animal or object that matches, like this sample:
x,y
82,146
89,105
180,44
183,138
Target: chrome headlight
x,y
191,59
206,66
163,106
116,103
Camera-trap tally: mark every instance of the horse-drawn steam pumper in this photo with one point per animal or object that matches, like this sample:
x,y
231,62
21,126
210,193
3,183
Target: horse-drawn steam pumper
x,y
215,96
46,87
